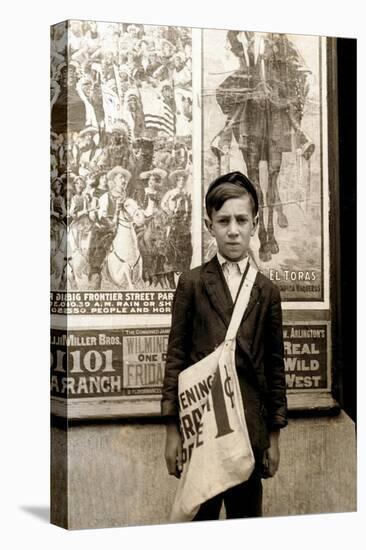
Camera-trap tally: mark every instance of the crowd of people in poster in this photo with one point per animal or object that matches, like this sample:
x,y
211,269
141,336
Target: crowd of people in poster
x,y
121,155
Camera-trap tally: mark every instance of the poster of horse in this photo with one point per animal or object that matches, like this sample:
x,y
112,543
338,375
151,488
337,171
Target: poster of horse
x,y
262,114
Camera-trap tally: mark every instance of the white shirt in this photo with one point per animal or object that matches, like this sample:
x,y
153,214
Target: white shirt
x,y
232,274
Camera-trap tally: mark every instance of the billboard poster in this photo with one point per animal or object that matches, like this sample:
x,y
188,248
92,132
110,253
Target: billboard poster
x,y
113,362
121,162
86,363
143,118
123,365
123,201
264,114
307,356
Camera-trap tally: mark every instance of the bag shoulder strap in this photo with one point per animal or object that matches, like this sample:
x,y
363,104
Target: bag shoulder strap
x,y
241,302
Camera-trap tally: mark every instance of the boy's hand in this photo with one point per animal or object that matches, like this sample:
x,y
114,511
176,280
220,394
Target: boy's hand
x,y
173,450
271,457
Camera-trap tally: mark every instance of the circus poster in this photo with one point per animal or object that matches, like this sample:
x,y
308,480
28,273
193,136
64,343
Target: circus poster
x,y
264,114
121,166
107,371
143,118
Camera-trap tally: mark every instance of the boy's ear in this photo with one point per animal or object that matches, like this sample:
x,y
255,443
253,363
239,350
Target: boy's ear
x,y
208,224
255,225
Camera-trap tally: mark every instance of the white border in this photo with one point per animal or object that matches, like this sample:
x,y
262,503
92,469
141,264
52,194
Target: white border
x,y
197,219
324,304
326,187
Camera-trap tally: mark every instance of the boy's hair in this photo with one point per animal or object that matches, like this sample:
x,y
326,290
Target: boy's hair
x,y
230,186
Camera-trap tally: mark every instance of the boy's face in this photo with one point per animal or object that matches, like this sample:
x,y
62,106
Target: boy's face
x,y
233,226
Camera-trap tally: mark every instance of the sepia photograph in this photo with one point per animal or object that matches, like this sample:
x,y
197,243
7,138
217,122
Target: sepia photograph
x,y
194,282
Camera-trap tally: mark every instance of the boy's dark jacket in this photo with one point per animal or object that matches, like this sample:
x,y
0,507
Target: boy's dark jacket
x,y
202,310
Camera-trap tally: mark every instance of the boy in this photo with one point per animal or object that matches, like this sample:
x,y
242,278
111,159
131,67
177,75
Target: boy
x,y
202,309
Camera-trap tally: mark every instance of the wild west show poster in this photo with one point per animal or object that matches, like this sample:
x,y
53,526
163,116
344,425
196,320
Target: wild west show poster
x,y
143,118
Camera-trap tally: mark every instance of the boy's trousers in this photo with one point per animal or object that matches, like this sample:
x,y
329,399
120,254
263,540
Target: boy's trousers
x,y
241,501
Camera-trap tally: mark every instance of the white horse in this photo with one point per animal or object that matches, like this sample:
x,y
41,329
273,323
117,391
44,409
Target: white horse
x,y
84,260
124,262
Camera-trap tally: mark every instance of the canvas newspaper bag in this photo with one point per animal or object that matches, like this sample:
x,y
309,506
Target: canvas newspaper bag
x,y
217,453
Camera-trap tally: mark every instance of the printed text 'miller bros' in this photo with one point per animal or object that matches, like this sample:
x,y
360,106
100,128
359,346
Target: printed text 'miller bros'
x,y
76,340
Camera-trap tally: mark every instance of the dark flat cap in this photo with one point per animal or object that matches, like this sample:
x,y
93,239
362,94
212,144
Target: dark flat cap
x,y
239,179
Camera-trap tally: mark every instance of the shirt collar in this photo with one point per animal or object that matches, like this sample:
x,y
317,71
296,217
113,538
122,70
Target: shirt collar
x,y
242,264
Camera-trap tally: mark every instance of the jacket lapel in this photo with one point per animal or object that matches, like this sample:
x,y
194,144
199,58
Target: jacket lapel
x,y
217,290
253,299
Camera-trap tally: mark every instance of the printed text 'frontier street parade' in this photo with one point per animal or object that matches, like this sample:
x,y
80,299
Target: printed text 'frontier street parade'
x,y
101,303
